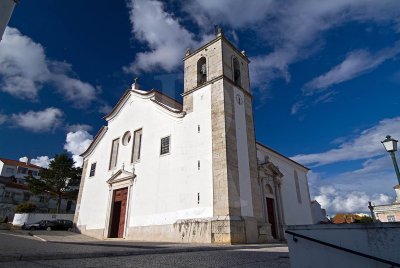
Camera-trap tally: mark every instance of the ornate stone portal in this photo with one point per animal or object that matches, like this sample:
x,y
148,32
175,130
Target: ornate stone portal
x,y
270,180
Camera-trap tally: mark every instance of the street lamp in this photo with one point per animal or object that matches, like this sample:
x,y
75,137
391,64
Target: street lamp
x,y
391,147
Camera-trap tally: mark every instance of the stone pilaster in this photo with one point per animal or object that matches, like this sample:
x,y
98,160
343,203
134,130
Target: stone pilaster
x,y
78,202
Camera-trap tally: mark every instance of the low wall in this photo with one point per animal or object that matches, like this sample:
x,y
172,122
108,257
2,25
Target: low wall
x,y
21,218
380,240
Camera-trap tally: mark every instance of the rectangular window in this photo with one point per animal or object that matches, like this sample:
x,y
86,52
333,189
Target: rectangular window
x,y
22,170
10,171
164,145
30,172
35,173
27,196
391,218
137,144
114,153
92,169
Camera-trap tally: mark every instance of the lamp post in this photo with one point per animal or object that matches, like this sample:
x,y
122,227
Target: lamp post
x,y
391,147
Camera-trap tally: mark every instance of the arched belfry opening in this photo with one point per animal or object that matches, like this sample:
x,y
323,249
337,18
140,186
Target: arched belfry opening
x,y
201,71
236,72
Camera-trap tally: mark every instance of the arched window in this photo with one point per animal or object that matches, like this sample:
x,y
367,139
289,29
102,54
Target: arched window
x,y
201,71
236,72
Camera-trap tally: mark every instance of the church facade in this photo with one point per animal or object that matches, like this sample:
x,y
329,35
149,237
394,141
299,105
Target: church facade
x,y
161,170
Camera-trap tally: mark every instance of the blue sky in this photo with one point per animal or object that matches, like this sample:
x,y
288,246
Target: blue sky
x,y
325,76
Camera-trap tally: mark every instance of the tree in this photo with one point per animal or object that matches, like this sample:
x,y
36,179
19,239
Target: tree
x,y
25,208
60,179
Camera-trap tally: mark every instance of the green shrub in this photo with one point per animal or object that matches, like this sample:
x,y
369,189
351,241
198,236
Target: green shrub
x,y
25,207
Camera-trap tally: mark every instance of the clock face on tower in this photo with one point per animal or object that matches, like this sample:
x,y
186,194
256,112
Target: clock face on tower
x,y
239,99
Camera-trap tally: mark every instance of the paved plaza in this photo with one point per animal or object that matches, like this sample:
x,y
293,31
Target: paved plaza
x,y
66,249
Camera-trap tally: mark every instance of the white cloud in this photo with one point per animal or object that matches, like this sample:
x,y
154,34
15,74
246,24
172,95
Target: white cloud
x,y
23,65
77,127
335,201
24,69
41,161
41,121
355,64
105,108
366,145
3,118
350,191
76,143
236,13
295,30
166,38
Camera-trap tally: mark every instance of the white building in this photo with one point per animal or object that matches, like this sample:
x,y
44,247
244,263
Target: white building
x,y
318,213
17,169
14,190
388,212
192,172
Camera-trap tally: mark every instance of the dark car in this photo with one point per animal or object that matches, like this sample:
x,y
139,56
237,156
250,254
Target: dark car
x,y
34,226
58,225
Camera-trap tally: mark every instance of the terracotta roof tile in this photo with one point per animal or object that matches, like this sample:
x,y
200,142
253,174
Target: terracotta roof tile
x,y
18,163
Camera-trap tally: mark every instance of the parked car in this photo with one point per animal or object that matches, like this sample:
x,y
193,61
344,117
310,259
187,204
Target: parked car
x,y
35,225
58,225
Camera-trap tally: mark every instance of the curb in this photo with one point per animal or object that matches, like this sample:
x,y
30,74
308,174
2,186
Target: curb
x,y
60,256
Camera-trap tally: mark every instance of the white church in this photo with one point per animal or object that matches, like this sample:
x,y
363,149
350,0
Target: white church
x,y
161,170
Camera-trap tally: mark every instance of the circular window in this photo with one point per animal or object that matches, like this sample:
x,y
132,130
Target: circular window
x,y
126,138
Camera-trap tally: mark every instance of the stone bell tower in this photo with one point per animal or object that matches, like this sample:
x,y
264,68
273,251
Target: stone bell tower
x,y
237,203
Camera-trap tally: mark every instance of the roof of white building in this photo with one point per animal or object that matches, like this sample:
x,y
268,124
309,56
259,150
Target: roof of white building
x,y
18,163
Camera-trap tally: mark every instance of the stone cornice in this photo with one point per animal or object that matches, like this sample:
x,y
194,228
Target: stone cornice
x,y
219,37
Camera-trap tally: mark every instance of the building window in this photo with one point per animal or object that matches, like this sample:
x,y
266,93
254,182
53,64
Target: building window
x,y
27,196
35,173
114,153
30,172
236,73
41,199
201,71
6,194
296,181
22,170
69,205
391,218
92,169
10,171
136,146
164,145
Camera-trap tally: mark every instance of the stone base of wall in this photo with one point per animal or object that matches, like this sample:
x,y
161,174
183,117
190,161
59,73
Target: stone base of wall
x,y
96,233
239,230
218,230
186,231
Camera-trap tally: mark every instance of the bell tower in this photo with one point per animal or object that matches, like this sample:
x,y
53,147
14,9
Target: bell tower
x,y
237,203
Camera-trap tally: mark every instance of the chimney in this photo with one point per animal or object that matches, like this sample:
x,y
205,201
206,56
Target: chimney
x,y
28,161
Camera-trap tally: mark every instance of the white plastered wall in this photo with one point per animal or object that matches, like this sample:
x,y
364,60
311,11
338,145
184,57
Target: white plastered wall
x,y
166,188
295,213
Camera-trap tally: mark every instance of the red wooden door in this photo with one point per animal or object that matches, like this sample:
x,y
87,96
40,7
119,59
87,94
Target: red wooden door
x,y
119,211
271,216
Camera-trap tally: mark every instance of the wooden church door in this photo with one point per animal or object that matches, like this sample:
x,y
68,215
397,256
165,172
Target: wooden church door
x,y
271,216
118,213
